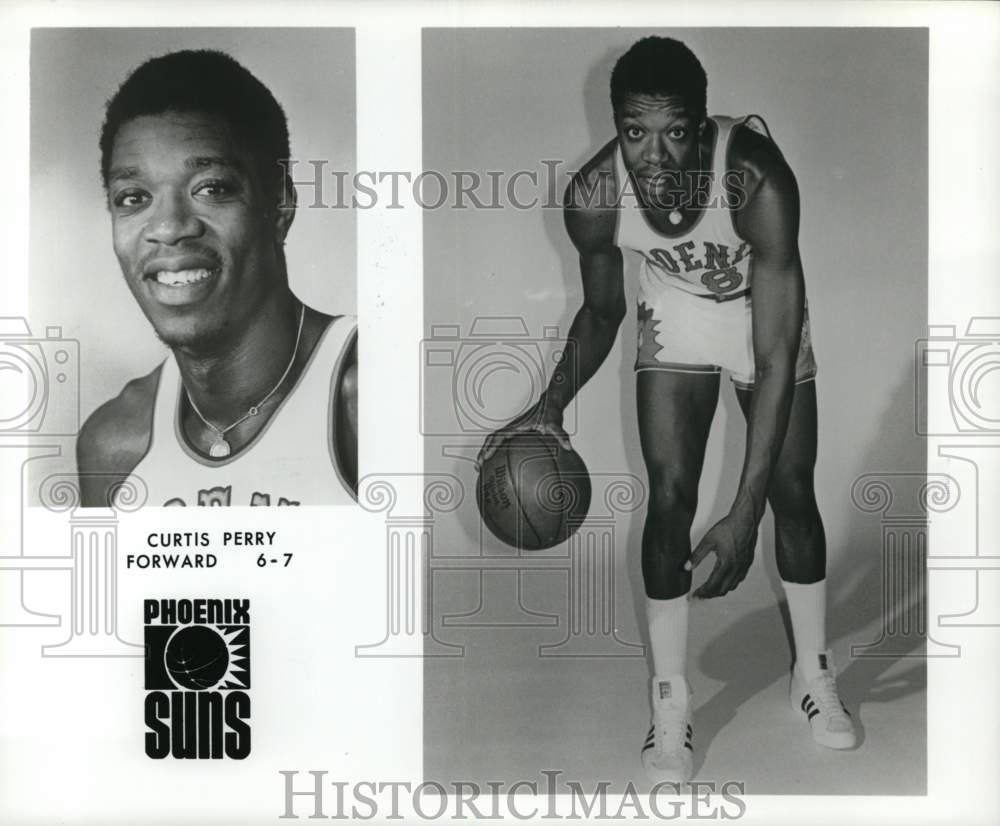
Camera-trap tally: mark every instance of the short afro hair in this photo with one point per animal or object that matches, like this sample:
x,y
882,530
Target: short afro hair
x,y
660,66
203,81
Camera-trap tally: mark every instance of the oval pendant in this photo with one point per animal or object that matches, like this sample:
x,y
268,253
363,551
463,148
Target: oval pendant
x,y
675,217
219,449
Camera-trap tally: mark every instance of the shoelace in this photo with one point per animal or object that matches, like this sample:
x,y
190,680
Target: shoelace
x,y
671,728
824,690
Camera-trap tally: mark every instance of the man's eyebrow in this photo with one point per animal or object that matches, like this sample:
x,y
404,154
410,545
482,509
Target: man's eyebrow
x,y
123,173
203,161
636,113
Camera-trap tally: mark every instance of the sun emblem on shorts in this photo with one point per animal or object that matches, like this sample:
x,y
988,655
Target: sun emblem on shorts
x,y
647,344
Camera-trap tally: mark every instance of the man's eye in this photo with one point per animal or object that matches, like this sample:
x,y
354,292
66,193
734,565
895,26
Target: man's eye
x,y
678,134
214,189
633,133
130,199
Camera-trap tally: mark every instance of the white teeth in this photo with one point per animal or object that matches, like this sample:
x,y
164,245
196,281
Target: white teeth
x,y
181,277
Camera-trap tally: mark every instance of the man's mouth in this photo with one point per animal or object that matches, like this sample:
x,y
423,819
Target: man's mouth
x,y
181,283
182,278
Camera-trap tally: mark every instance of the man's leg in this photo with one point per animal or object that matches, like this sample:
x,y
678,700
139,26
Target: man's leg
x,y
675,414
800,543
800,551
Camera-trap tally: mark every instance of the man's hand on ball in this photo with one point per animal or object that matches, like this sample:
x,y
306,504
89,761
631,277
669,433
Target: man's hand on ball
x,y
539,418
732,540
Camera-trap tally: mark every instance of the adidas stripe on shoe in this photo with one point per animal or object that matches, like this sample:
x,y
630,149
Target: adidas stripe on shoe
x,y
667,752
818,700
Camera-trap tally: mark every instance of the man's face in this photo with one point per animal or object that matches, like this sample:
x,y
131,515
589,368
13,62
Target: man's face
x,y
195,230
659,140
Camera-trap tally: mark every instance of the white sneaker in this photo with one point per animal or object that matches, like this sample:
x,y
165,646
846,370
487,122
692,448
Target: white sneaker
x,y
667,755
818,699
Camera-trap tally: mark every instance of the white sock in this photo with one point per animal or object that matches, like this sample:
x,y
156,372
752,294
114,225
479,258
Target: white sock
x,y
668,631
807,609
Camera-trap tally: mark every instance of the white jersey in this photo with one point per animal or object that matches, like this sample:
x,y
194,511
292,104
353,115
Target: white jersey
x,y
291,461
710,259
695,309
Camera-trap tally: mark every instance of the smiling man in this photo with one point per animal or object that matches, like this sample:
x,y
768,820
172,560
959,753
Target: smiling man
x,y
257,403
712,209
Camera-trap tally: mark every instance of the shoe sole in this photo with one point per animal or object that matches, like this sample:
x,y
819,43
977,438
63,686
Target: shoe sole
x,y
655,775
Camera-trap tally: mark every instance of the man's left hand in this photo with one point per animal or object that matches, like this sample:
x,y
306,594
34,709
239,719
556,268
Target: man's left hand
x,y
732,540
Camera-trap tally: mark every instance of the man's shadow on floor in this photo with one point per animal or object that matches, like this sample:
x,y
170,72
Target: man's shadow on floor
x,y
860,607
737,658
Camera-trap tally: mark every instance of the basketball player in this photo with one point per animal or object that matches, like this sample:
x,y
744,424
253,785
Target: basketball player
x,y
257,402
706,202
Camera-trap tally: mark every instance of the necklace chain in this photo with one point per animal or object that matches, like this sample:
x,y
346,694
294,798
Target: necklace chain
x,y
254,408
675,215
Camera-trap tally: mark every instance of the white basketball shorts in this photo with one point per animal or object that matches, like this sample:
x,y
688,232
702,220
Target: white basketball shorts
x,y
685,333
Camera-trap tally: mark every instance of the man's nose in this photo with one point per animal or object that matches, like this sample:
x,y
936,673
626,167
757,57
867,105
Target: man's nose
x,y
656,152
172,220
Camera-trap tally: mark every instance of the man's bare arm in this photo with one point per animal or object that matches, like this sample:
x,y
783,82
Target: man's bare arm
x,y
347,418
770,223
114,440
778,306
595,326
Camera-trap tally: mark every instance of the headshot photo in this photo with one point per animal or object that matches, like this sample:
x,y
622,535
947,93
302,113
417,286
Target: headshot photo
x,y
681,286
214,310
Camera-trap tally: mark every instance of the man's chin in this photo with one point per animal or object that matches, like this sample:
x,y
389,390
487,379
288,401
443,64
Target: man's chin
x,y
192,337
661,198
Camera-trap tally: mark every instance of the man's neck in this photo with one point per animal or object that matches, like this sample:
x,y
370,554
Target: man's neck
x,y
226,381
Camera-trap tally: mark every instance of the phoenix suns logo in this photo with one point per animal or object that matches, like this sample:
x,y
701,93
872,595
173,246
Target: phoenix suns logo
x,y
197,678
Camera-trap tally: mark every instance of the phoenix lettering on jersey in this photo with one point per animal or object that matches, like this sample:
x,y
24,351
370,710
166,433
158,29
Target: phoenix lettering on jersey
x,y
720,272
223,497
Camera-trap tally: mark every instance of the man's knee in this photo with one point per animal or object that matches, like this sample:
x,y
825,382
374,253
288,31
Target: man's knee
x,y
673,497
792,496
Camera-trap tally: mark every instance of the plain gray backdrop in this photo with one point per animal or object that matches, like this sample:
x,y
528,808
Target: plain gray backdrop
x,y
848,108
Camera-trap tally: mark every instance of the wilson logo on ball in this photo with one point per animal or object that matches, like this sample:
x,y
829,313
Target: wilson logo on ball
x,y
532,493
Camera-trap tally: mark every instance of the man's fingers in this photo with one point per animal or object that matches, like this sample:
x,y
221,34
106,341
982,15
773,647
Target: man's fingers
x,y
487,450
737,573
492,445
495,440
730,581
711,587
703,550
740,575
558,433
525,423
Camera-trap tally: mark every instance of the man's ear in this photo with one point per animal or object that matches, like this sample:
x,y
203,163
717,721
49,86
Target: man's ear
x,y
284,212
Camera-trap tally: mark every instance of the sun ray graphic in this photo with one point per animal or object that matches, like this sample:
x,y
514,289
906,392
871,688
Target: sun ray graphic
x,y
237,639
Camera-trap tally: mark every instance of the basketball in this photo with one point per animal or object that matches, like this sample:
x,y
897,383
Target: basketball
x,y
533,494
196,657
